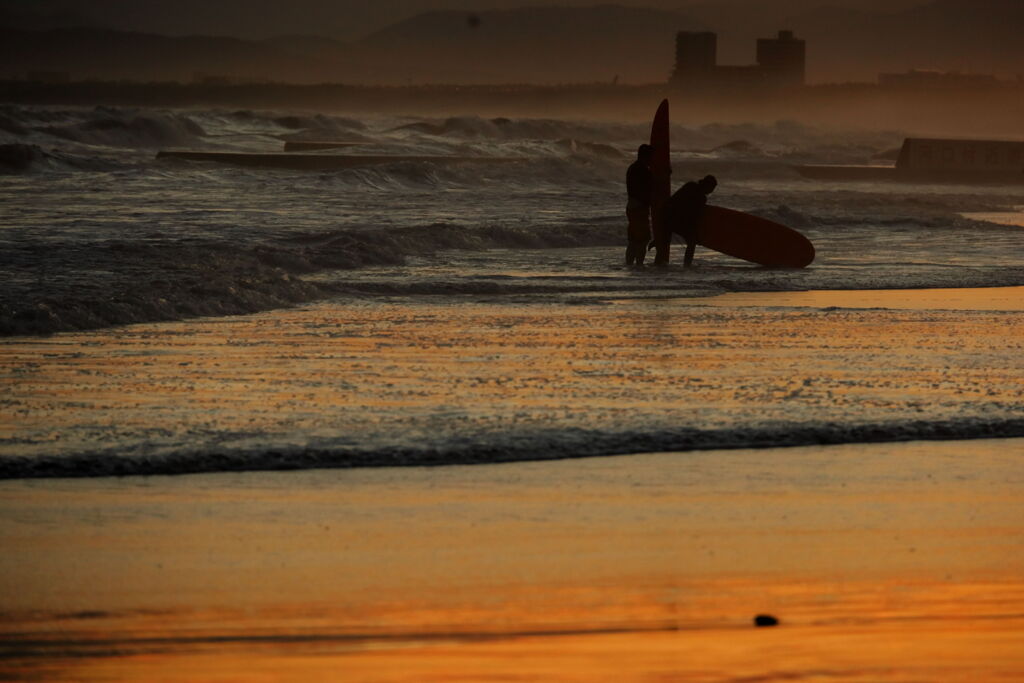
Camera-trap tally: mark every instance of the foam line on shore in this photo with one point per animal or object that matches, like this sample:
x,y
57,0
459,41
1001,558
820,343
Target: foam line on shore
x,y
574,443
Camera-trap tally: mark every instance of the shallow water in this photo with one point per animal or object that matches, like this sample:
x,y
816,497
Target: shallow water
x,y
97,232
1015,217
451,327
987,299
422,381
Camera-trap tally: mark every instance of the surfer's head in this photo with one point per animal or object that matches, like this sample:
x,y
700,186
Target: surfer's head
x,y
644,152
708,184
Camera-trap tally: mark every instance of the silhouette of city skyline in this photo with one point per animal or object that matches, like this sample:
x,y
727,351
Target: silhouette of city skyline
x,y
781,62
552,46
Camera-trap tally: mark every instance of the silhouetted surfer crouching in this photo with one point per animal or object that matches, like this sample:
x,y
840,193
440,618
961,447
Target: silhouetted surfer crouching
x,y
683,209
638,206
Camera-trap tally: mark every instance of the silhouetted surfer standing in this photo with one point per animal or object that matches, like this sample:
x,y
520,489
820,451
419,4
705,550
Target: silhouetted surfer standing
x,y
683,210
638,206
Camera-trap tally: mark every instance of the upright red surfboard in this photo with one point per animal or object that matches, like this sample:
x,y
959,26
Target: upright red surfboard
x,y
661,176
752,238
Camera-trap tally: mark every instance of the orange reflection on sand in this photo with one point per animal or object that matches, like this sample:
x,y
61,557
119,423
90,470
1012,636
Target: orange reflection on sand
x,y
424,372
871,555
885,563
884,631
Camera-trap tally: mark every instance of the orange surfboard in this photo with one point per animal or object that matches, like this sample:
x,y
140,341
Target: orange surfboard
x,y
661,177
752,238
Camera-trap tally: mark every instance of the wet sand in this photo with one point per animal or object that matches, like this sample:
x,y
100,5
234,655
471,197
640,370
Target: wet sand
x,y
1001,217
884,562
366,381
943,299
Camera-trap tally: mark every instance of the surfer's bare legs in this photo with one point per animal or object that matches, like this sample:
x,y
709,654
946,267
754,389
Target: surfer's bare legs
x,y
635,252
662,246
641,252
688,257
638,214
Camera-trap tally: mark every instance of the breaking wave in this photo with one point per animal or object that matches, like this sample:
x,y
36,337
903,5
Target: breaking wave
x,y
26,158
55,288
110,131
65,283
100,233
548,445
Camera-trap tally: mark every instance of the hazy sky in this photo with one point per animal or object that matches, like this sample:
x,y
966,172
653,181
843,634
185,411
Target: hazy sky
x,y
848,40
343,19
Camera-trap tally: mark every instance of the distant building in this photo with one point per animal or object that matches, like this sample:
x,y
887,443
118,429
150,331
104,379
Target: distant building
x,y
696,56
780,62
931,78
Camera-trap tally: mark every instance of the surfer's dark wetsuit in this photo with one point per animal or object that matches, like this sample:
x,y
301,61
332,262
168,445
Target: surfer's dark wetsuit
x,y
683,210
639,185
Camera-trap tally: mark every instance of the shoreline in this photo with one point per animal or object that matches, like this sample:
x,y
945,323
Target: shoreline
x,y
632,567
549,569
994,298
105,465
338,384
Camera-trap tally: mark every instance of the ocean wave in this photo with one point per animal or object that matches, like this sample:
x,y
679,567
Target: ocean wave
x,y
130,128
736,150
9,124
503,448
25,158
120,128
324,248
501,128
288,126
787,216
18,157
53,287
56,288
67,284
784,140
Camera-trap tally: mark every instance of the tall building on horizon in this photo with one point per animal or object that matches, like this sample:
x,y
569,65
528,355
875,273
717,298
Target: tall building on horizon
x,y
782,59
696,55
781,62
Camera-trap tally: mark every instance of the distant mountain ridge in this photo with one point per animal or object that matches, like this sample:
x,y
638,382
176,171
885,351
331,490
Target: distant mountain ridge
x,y
107,54
548,45
539,44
